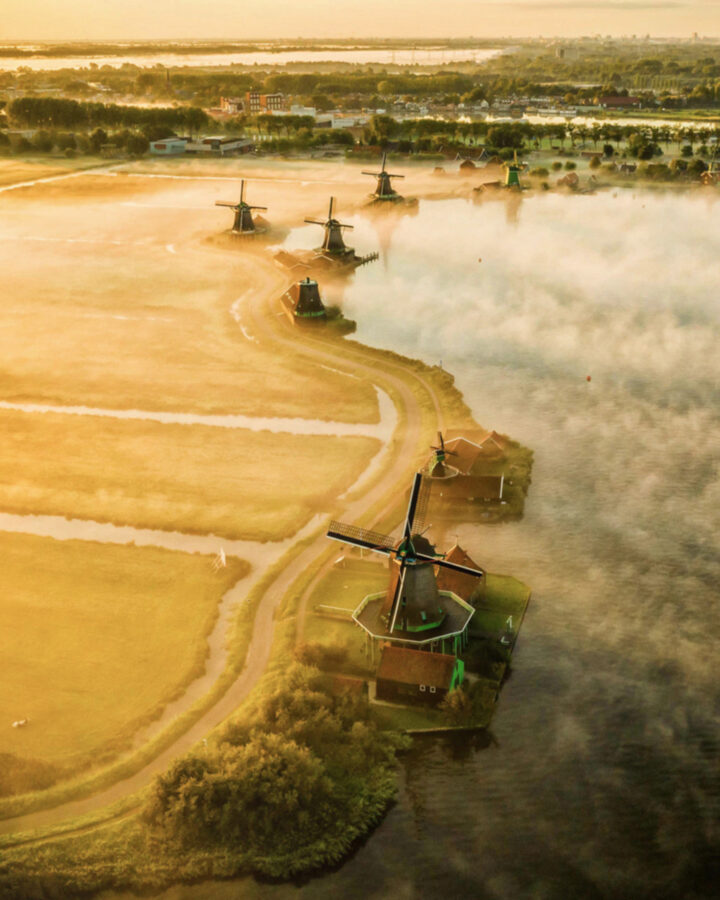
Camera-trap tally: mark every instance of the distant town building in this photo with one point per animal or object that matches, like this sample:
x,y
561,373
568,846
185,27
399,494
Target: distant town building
x,y
620,102
256,103
220,145
168,146
233,106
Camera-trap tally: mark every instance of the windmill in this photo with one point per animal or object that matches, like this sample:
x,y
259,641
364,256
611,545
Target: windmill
x,y
512,173
384,189
333,242
437,466
243,223
308,304
413,611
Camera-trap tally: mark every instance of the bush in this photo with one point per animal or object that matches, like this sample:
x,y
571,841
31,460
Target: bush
x,y
595,162
570,165
557,165
288,789
696,167
608,150
539,172
321,655
42,142
686,150
69,153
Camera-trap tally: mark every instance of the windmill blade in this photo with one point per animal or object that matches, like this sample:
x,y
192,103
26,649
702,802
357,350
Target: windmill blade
x,y
226,203
384,161
396,599
456,567
351,227
417,507
315,222
390,175
242,190
361,537
374,174
440,439
330,210
258,207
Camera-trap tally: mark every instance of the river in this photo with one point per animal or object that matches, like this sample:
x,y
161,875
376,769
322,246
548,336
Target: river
x,y
422,56
600,777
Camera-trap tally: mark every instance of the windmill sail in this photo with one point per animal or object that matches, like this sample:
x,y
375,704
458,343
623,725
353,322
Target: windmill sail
x,y
361,537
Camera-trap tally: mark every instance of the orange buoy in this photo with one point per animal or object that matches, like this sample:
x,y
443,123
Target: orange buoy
x,y
588,378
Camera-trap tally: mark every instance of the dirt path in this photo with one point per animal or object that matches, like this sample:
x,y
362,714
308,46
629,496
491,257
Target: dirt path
x,y
262,312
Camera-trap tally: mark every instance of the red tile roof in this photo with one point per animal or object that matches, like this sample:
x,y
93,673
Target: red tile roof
x,y
416,667
458,582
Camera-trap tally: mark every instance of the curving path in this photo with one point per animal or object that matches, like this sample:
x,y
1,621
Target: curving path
x,y
278,330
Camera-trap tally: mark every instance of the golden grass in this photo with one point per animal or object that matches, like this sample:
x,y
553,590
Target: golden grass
x,y
95,639
13,171
111,297
231,482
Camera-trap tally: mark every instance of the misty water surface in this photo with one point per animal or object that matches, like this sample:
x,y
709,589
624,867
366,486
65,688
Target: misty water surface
x,y
421,56
600,777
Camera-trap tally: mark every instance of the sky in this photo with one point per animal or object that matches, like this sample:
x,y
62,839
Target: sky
x,y
240,19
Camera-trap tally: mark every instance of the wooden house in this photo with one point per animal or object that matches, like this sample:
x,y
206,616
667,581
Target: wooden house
x,y
416,676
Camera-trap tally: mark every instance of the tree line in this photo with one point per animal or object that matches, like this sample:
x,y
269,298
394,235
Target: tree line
x,y
55,112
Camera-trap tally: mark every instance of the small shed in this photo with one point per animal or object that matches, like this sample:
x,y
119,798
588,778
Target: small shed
x,y
417,676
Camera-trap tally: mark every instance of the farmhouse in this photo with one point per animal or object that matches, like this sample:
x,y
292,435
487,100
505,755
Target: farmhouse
x,y
468,468
411,676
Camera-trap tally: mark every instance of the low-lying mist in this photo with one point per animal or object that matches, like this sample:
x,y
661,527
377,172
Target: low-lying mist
x,y
608,730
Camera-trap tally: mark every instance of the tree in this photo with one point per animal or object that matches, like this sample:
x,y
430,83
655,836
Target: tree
x,y
137,145
97,139
457,707
696,167
595,162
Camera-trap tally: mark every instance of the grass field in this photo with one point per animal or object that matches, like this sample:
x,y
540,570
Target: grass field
x,y
504,596
95,639
230,482
15,170
343,587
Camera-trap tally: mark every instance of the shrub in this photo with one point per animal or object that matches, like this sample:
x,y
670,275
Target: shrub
x,y
539,172
570,165
557,165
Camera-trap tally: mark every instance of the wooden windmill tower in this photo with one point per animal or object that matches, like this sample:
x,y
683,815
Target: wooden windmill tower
x,y
243,223
308,304
333,242
384,189
413,613
438,467
512,173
